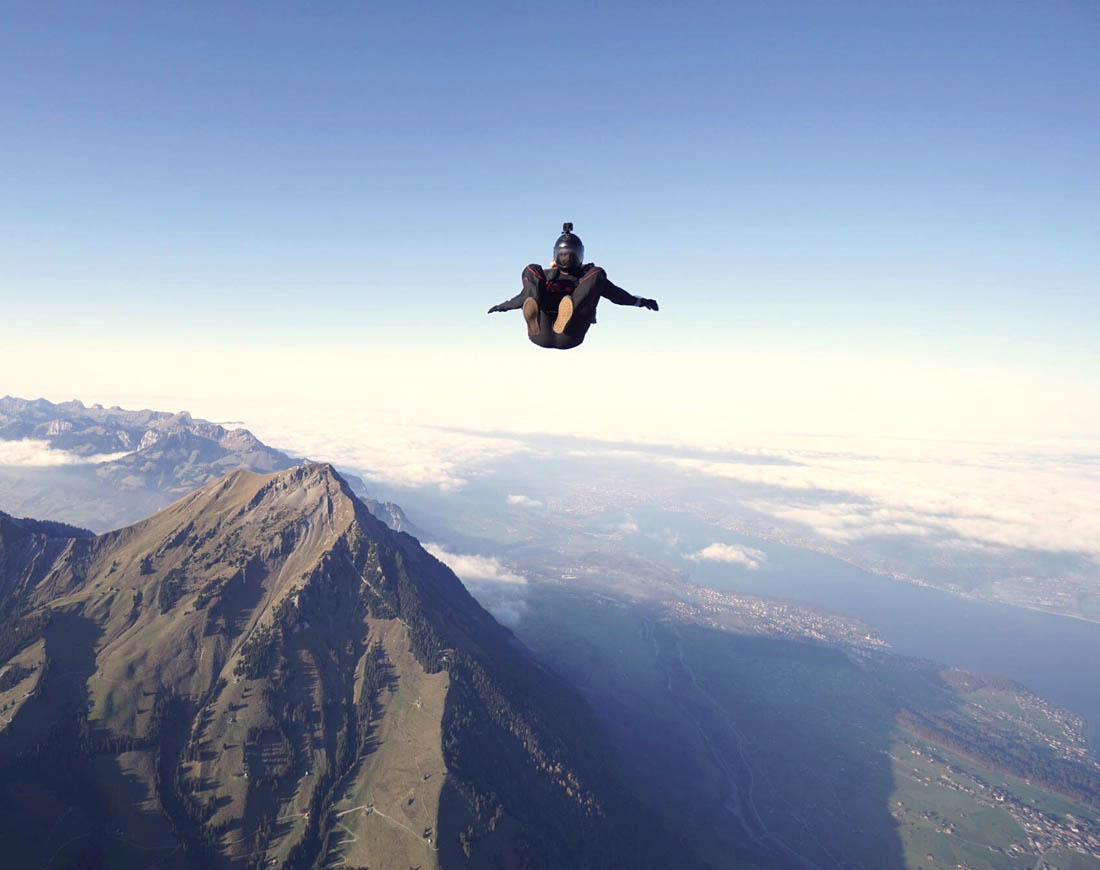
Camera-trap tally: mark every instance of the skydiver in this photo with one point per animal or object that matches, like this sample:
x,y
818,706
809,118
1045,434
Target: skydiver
x,y
559,303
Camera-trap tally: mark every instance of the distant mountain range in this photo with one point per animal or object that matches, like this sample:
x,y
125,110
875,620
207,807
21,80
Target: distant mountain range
x,y
163,457
264,674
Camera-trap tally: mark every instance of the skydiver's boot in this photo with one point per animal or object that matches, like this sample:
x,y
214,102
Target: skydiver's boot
x,y
565,311
531,315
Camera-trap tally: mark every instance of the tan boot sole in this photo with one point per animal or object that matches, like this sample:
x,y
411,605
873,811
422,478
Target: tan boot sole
x,y
531,315
565,311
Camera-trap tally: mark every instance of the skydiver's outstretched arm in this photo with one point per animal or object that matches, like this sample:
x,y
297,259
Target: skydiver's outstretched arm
x,y
580,306
595,285
512,304
620,297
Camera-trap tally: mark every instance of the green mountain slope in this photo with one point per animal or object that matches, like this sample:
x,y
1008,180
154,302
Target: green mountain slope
x,y
263,674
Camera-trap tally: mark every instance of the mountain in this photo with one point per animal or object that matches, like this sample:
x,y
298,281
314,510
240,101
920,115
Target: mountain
x,y
136,462
95,430
264,674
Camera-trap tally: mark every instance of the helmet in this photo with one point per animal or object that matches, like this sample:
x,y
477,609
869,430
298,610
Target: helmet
x,y
568,249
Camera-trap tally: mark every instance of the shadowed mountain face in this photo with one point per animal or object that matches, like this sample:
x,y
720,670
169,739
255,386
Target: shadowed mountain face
x,y
265,674
150,458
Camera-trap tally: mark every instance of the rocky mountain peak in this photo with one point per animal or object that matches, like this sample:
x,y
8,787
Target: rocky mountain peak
x,y
262,667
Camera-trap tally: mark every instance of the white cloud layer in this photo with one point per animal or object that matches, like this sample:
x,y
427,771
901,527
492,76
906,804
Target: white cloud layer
x,y
474,568
1038,496
748,557
385,448
500,591
1034,493
524,501
32,453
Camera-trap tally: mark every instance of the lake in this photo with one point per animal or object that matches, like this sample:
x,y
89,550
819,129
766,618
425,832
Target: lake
x,y
1054,656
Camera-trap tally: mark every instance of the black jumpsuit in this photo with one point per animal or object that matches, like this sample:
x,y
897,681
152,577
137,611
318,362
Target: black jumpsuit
x,y
548,286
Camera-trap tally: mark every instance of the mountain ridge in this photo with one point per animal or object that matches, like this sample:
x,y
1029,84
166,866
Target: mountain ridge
x,y
261,659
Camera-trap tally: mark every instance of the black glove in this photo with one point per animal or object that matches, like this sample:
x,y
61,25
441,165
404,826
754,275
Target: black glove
x,y
496,308
651,304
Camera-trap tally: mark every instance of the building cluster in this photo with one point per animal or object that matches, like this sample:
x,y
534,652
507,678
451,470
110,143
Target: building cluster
x,y
774,618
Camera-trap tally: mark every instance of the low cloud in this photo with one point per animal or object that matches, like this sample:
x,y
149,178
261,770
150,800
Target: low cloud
x,y
385,449
499,590
1043,496
746,556
32,453
524,501
474,568
666,536
507,613
628,527
845,522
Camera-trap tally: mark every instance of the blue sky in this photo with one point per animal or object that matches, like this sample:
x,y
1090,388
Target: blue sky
x,y
910,180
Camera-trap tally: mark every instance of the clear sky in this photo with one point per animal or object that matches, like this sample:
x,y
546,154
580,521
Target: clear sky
x,y
839,206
